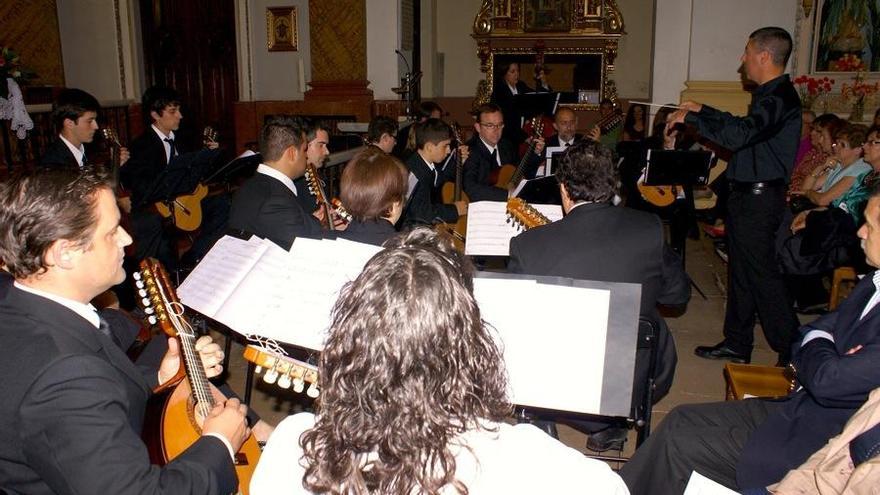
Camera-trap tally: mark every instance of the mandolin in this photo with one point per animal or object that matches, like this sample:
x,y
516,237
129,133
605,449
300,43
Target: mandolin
x,y
452,192
187,208
341,212
284,371
509,176
524,215
316,189
179,407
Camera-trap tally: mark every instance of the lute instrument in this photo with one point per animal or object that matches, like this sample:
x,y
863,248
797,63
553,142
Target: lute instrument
x,y
284,371
179,407
316,189
524,215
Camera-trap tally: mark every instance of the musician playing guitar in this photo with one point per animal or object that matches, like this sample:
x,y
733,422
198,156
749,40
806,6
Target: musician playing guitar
x,y
74,403
424,205
144,176
489,151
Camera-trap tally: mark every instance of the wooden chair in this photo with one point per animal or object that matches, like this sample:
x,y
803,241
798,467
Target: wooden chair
x,y
842,282
749,380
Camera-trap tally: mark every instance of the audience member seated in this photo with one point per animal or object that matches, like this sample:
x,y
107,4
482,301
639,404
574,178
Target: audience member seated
x,y
599,241
423,408
373,189
821,132
753,443
843,171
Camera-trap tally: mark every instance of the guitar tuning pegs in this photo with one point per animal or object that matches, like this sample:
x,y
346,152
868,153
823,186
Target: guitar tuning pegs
x,y
258,369
270,376
146,301
312,391
149,310
136,276
298,385
284,381
152,320
142,292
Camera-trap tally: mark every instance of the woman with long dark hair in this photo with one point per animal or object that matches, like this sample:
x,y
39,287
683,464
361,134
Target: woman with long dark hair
x,y
414,395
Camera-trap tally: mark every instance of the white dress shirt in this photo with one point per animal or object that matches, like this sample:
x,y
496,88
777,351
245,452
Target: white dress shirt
x,y
277,175
78,153
166,144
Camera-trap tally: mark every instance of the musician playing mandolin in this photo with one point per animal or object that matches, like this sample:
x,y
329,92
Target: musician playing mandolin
x,y
489,151
74,403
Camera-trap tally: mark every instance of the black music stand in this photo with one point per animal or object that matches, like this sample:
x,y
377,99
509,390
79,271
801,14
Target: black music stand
x,y
684,169
536,104
541,191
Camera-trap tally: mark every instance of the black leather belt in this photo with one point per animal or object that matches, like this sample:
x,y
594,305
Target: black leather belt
x,y
756,187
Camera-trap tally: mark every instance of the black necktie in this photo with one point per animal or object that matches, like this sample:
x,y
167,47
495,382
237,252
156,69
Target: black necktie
x,y
495,157
84,160
171,145
567,145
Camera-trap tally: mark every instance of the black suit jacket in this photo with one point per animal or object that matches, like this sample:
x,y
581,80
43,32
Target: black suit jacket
x,y
73,411
553,141
305,198
369,232
145,172
480,165
599,241
267,208
504,98
424,206
834,387
58,155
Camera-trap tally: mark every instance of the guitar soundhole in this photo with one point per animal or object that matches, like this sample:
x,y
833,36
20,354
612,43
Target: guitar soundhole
x,y
241,459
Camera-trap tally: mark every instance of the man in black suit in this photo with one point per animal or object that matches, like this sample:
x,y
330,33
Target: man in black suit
x,y
599,241
488,152
74,115
74,403
752,443
405,143
565,122
266,204
150,179
424,205
316,155
382,133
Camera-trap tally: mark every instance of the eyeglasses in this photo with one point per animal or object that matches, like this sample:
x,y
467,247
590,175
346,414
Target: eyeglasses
x,y
840,144
491,126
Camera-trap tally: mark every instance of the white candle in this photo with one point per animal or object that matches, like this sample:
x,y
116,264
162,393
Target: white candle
x,y
302,76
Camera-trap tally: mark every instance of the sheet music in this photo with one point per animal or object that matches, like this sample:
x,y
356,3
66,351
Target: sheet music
x,y
489,231
701,485
551,363
256,287
216,277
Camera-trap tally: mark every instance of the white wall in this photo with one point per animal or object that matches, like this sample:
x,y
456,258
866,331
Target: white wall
x,y
383,37
633,65
265,75
89,47
461,67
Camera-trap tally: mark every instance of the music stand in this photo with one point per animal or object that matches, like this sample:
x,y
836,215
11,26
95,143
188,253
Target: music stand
x,y
536,104
684,169
541,191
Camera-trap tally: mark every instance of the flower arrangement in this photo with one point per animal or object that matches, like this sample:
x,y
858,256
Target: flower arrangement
x,y
847,63
858,90
10,68
811,88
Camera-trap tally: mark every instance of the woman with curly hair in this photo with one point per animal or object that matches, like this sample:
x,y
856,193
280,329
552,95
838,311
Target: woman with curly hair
x,y
414,395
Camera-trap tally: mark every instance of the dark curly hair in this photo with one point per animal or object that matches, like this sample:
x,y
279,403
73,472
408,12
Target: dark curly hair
x,y
588,172
41,207
408,365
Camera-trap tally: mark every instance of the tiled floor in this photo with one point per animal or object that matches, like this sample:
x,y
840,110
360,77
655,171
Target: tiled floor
x,y
696,380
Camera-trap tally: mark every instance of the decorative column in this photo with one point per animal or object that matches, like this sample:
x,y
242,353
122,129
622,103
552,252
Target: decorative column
x,y
337,30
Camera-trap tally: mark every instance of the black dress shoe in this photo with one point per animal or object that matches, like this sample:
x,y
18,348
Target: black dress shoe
x,y
722,351
611,438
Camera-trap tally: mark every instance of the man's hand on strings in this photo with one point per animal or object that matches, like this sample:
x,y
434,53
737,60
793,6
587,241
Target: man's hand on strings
x,y
210,352
691,106
539,145
595,134
124,155
464,152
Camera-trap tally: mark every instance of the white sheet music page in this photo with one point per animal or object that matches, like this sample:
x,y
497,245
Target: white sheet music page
x,y
489,231
218,274
701,485
288,295
555,356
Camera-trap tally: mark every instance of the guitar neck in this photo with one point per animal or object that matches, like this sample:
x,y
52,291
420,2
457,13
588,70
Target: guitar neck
x,y
317,190
195,373
520,169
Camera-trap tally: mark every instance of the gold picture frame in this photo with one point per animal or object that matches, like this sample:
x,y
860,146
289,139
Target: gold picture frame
x,y
281,32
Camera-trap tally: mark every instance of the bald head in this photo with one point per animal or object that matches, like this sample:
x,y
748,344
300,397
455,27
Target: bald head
x,y
565,123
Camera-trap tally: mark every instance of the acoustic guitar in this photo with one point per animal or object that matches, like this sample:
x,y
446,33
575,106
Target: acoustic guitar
x,y
123,197
179,407
284,371
524,215
509,176
187,208
452,192
661,196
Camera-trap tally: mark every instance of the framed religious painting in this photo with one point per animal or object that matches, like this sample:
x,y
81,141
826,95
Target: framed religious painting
x,y
846,36
546,15
281,29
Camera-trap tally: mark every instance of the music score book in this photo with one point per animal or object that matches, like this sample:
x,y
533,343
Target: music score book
x,y
489,230
568,345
